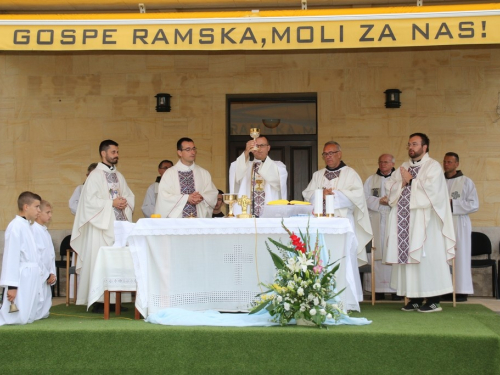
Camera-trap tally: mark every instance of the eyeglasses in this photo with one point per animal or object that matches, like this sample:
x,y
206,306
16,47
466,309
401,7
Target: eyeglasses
x,y
331,153
414,144
262,145
189,149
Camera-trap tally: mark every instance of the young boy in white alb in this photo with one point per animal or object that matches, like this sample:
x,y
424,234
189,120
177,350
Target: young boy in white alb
x,y
21,268
47,258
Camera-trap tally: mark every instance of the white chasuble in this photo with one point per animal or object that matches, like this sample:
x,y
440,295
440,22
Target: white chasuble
x,y
171,202
269,181
349,202
424,272
464,201
94,221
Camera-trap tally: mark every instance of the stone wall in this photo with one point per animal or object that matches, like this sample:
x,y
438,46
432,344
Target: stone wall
x,y
55,108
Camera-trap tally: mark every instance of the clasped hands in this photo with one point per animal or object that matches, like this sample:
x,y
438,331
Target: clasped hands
x,y
405,175
120,203
195,198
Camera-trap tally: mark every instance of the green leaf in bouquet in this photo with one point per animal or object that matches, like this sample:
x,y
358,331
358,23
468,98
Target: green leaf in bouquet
x,y
278,262
281,246
259,307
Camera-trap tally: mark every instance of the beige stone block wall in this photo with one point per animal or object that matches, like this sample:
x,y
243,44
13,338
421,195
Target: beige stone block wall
x,y
55,108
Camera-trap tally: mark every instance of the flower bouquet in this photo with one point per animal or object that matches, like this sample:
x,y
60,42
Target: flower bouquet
x,y
304,288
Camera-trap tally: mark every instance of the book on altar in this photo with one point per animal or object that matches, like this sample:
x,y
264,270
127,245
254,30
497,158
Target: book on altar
x,y
285,210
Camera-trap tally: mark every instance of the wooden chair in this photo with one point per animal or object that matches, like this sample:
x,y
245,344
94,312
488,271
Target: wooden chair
x,y
369,268
71,270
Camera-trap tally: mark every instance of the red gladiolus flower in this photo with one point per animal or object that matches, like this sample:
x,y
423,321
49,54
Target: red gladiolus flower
x,y
297,243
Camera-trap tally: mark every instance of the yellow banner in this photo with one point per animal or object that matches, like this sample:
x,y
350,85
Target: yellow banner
x,y
257,34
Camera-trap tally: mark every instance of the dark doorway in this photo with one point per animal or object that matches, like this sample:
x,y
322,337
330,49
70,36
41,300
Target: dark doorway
x,y
293,141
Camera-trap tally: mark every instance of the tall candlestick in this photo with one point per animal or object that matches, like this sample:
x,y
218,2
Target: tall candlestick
x,y
318,202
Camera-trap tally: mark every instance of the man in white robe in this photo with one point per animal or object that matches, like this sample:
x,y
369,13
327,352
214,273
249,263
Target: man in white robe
x,y
346,186
464,201
421,238
186,190
261,179
148,206
75,197
21,268
378,208
105,198
47,258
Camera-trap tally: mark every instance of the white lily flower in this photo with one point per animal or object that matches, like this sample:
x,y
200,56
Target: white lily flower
x,y
317,286
300,291
279,298
312,312
322,312
329,316
316,301
302,308
310,297
286,306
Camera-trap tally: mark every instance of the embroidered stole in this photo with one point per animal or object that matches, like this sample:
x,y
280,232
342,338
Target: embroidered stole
x,y
404,219
186,181
330,175
114,192
259,195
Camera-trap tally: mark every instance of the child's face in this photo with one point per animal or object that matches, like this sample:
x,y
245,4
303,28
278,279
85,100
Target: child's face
x,y
45,215
32,210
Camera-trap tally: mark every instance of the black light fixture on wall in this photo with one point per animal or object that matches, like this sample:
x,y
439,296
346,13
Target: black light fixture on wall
x,y
392,98
163,102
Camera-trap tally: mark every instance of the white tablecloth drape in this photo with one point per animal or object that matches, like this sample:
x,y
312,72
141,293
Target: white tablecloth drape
x,y
113,271
202,264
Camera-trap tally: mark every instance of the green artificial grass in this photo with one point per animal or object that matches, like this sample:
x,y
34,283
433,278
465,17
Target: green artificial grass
x,y
461,340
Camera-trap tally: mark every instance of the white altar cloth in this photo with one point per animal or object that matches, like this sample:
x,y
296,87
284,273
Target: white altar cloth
x,y
113,271
204,264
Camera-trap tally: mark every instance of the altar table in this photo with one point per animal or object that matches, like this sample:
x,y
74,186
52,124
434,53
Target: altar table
x,y
203,264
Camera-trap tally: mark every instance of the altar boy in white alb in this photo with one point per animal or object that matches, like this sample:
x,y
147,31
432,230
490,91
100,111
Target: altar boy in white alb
x,y
346,186
186,189
464,201
47,258
378,207
21,269
105,198
261,180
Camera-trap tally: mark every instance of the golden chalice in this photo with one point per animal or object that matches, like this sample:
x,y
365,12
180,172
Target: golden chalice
x,y
255,133
230,200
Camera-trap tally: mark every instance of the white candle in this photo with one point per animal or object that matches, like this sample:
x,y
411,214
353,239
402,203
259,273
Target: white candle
x,y
329,204
318,201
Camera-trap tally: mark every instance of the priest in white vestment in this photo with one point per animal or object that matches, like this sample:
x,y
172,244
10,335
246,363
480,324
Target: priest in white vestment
x,y
21,268
186,190
149,203
75,197
464,201
105,198
378,208
421,238
47,258
346,186
261,180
